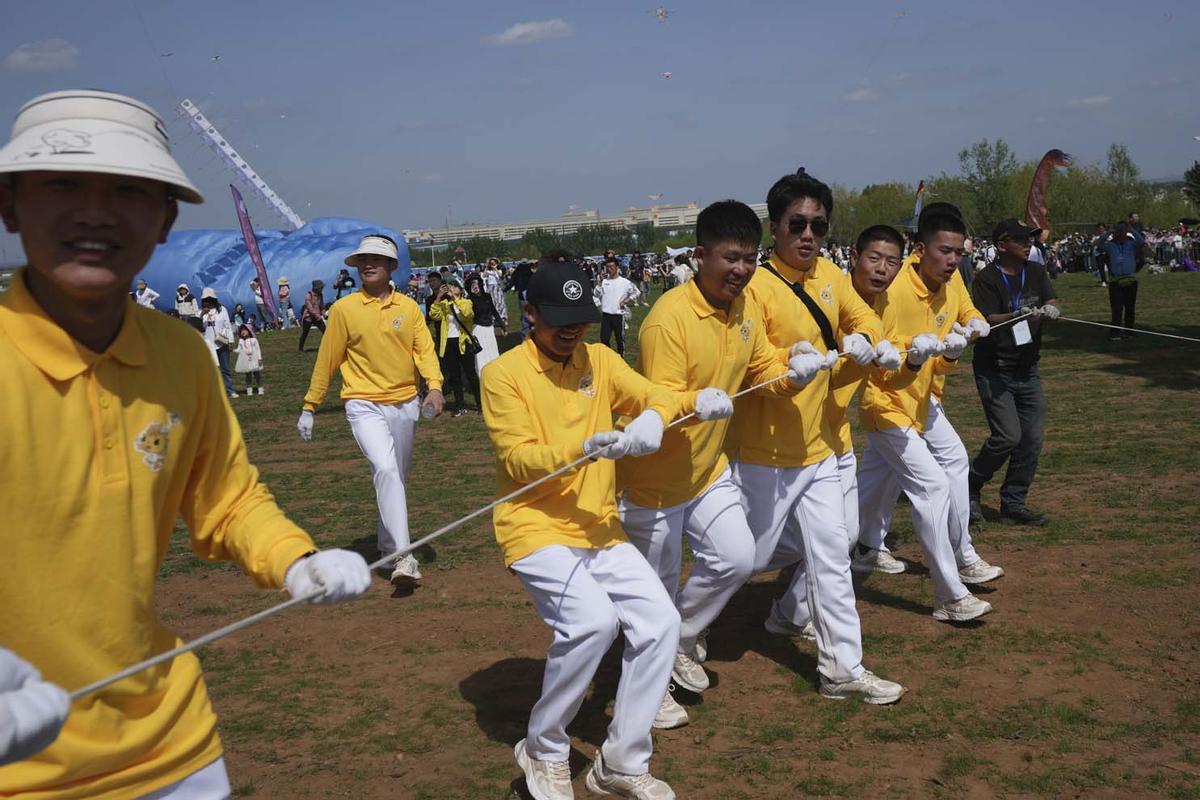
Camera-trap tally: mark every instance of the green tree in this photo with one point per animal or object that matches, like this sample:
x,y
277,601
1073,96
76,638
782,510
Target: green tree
x,y
987,169
1191,183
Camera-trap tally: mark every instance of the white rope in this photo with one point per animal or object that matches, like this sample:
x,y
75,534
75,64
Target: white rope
x,y
234,627
1131,330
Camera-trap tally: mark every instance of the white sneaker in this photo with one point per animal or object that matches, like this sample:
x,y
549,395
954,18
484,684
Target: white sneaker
x,y
261,390
249,391
979,572
640,787
873,689
670,714
777,624
406,571
546,780
877,561
963,609
700,652
688,674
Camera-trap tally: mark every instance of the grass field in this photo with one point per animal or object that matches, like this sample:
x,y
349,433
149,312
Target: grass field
x,y
1081,683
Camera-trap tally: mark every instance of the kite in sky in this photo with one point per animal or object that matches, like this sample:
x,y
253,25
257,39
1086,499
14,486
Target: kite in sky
x,y
662,13
655,197
573,207
667,75
216,58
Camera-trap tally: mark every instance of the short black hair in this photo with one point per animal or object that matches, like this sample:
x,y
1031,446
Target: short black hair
x,y
879,233
933,224
797,186
728,221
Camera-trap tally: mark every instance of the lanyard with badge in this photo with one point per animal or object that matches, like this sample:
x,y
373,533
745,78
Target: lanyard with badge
x,y
1020,331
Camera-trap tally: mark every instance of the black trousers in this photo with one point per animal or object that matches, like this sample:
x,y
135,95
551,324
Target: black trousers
x,y
1122,299
454,366
306,326
612,324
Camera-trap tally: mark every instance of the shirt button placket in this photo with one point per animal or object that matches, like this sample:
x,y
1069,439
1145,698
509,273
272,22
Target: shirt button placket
x,y
112,458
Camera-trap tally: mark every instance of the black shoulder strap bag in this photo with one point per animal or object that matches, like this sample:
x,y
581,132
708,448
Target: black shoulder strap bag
x,y
814,309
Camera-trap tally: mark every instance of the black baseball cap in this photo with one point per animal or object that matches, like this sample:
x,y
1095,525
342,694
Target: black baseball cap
x,y
562,294
1013,227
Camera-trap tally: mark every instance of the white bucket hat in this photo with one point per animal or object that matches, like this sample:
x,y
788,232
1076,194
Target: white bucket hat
x,y
208,294
376,245
91,131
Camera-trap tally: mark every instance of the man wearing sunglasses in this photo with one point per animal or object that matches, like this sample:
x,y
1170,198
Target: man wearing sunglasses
x,y
1006,370
782,448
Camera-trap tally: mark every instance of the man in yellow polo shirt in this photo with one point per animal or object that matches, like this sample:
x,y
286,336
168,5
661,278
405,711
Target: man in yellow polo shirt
x,y
377,337
701,334
114,424
546,404
782,448
921,310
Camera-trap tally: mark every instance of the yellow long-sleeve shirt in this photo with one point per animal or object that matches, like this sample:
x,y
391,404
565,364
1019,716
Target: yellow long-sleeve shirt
x,y
685,344
908,308
796,431
538,413
379,345
102,452
440,311
957,287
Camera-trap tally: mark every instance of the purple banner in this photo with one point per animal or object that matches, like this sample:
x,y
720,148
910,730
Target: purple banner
x,y
255,256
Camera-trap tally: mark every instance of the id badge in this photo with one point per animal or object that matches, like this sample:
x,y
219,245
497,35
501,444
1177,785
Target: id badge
x,y
1021,333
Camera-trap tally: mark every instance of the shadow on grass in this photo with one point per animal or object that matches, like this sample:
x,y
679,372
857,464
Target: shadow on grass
x,y
1166,363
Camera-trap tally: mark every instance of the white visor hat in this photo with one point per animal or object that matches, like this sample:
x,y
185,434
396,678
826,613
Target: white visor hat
x,y
91,131
375,246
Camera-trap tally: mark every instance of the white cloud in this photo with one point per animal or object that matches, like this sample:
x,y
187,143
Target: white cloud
x,y
1095,101
45,55
530,32
863,94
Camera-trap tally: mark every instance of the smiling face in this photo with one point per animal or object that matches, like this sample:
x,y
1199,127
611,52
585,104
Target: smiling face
x,y
725,269
940,258
556,341
796,241
87,234
875,268
374,271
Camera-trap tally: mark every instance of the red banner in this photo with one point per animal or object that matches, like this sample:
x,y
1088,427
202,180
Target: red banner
x,y
1035,207
255,256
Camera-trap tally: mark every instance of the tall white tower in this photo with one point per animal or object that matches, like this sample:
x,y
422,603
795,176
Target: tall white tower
x,y
207,131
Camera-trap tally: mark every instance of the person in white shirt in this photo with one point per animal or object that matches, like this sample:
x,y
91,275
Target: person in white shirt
x,y
218,332
614,294
144,295
185,303
681,273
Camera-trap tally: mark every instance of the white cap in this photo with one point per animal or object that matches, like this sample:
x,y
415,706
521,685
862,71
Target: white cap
x,y
208,294
91,131
376,245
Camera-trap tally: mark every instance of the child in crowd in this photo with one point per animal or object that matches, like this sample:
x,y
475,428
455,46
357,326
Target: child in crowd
x,y
249,362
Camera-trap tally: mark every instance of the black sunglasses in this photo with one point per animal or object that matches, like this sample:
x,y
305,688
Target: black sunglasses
x,y
796,226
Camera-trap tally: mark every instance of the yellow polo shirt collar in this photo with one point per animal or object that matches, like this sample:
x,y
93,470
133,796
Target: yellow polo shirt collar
x,y
701,305
51,349
544,363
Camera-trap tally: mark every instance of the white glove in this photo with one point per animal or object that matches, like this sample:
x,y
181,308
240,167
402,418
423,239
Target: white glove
x,y
1051,311
805,362
712,403
644,433
305,425
32,711
977,328
924,347
1028,311
858,348
831,358
607,444
954,345
887,356
342,573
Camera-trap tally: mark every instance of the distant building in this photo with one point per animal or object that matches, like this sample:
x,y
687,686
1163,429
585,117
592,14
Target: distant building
x,y
660,216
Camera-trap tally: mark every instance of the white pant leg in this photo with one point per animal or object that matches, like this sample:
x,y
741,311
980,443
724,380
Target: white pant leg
x,y
583,596
877,495
825,582
385,435
657,533
486,336
768,495
206,783
724,551
925,482
847,466
951,453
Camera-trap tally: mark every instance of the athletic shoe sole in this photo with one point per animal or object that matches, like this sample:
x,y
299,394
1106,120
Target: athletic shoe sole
x,y
871,699
685,684
523,763
942,615
991,575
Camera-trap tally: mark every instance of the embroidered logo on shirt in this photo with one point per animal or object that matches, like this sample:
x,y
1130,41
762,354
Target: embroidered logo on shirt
x,y
587,385
572,290
827,294
745,329
940,319
154,441
397,322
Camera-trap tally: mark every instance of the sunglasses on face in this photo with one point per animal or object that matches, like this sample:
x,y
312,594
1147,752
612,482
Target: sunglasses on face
x,y
819,226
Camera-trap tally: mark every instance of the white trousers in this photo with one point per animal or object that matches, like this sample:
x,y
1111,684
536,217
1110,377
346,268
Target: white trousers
x,y
797,513
847,466
903,454
207,783
715,524
385,435
586,596
950,452
486,336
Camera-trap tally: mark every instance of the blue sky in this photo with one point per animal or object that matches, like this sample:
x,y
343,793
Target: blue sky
x,y
406,113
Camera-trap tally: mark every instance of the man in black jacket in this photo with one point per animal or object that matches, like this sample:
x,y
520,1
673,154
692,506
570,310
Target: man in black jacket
x,y
1006,371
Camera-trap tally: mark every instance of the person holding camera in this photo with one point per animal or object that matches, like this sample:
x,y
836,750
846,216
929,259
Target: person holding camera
x,y
456,351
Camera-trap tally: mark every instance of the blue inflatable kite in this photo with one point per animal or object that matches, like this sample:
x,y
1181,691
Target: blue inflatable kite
x,y
218,259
